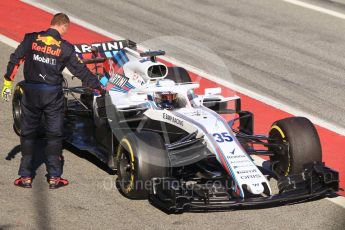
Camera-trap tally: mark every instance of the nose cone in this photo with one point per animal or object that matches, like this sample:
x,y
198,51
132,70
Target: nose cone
x,y
255,188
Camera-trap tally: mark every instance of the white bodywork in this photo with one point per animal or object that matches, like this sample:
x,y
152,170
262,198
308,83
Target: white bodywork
x,y
228,150
217,134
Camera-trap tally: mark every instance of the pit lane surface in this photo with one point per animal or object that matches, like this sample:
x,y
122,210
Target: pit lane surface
x,y
89,203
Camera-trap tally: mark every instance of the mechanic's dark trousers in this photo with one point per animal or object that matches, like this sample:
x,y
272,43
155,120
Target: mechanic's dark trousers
x,y
42,100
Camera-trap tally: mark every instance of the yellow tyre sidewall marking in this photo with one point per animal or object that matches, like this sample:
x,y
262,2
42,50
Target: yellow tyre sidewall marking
x,y
276,127
130,150
279,130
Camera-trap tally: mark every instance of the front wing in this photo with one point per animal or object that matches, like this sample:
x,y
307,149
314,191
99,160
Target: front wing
x,y
317,181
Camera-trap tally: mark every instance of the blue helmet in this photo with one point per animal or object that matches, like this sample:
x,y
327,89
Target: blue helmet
x,y
165,100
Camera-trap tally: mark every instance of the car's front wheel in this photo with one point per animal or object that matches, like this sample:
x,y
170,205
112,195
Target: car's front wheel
x,y
140,157
302,145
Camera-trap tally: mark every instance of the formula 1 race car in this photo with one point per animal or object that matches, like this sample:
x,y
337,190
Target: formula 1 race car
x,y
175,147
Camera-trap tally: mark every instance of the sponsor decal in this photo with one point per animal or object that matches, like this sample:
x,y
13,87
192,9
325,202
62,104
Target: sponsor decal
x,y
250,176
137,78
48,40
46,49
47,60
236,156
242,166
246,171
239,161
222,137
172,119
119,80
103,46
42,76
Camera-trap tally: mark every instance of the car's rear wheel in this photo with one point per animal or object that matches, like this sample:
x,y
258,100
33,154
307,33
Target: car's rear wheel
x,y
16,108
17,111
178,74
302,145
140,157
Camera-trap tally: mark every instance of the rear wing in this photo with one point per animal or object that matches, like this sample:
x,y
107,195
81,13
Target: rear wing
x,y
100,57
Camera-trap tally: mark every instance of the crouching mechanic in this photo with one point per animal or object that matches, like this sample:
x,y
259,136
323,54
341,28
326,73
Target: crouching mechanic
x,y
45,54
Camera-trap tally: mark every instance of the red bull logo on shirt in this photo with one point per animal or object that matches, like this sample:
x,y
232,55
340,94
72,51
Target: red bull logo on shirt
x,y
48,40
46,49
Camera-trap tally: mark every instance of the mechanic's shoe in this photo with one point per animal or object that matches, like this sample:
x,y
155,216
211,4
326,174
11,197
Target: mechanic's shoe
x,y
24,182
57,182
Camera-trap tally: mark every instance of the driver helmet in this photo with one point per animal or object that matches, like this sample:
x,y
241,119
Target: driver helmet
x,y
165,100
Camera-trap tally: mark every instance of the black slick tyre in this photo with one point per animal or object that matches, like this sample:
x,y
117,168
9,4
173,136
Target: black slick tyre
x,y
16,108
140,157
302,143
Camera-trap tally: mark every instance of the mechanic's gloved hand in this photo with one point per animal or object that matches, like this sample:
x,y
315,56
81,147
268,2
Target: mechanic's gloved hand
x,y
7,90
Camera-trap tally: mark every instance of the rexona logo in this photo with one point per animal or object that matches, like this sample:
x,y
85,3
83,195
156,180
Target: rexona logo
x,y
50,61
46,49
48,40
236,156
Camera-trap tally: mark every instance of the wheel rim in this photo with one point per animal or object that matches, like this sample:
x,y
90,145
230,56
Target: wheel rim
x,y
125,169
280,162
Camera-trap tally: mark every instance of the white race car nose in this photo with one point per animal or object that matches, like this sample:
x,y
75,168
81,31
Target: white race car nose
x,y
255,188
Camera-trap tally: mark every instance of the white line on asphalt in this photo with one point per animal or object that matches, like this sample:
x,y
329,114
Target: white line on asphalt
x,y
316,8
8,41
339,200
331,126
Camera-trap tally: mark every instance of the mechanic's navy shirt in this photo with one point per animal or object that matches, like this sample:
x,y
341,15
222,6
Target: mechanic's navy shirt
x,y
46,54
